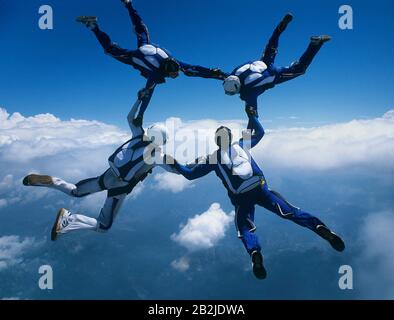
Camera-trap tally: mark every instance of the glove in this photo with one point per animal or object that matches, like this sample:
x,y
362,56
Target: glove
x,y
251,111
218,73
169,160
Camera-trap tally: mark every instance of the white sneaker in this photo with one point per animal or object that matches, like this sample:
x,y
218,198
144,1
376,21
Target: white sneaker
x,y
61,222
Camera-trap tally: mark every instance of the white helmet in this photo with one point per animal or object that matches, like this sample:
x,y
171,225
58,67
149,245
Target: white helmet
x,y
232,85
158,134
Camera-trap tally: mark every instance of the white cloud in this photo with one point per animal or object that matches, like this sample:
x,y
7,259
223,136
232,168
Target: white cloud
x,y
171,182
9,191
377,239
205,230
25,139
355,143
12,248
182,264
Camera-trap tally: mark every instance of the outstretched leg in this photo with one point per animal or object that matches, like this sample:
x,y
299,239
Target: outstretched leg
x,y
117,192
140,28
110,48
273,201
244,222
271,48
299,67
80,189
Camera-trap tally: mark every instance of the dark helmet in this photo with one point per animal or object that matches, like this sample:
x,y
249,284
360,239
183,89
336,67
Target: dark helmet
x,y
169,65
223,136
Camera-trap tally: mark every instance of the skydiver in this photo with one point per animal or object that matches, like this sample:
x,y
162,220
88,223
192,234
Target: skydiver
x,y
154,63
247,187
130,164
252,79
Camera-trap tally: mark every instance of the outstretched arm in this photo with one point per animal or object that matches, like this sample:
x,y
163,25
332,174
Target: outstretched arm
x,y
254,133
195,171
140,28
136,130
202,72
146,95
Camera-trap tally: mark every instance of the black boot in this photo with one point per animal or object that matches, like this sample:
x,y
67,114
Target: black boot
x,y
285,21
88,21
317,40
335,241
258,266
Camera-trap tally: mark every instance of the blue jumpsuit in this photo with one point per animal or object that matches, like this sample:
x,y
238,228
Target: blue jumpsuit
x,y
249,190
148,57
258,76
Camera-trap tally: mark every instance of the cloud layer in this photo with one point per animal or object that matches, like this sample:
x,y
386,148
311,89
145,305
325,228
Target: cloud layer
x,y
355,143
78,149
24,139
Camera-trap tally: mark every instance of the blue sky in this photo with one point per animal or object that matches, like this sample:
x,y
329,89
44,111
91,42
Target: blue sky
x,y
65,72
